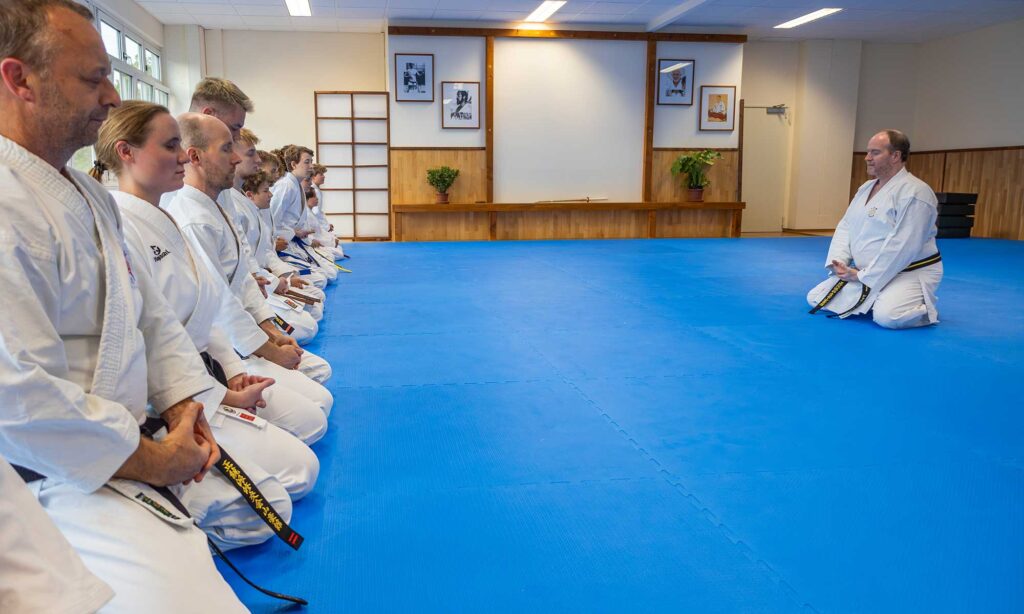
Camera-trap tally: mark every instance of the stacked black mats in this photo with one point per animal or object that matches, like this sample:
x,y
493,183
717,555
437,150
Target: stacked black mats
x,y
956,214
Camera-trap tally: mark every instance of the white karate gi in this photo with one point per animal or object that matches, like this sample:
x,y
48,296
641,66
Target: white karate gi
x,y
884,235
247,223
39,572
197,297
289,211
213,238
74,384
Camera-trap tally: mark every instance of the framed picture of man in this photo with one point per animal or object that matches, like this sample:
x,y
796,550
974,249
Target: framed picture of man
x,y
675,82
717,107
414,77
460,104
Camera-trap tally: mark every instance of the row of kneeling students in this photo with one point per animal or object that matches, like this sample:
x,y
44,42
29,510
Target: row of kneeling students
x,y
155,400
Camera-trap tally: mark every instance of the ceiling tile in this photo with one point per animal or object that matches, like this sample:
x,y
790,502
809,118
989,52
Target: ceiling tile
x,y
209,9
361,13
260,9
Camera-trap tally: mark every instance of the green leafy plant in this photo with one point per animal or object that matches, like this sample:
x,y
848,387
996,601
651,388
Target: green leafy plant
x,y
695,166
442,178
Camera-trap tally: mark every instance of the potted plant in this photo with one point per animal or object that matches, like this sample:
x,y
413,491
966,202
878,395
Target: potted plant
x,y
695,166
441,179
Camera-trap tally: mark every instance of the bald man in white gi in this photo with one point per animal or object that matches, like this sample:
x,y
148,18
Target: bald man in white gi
x,y
213,240
883,254
79,358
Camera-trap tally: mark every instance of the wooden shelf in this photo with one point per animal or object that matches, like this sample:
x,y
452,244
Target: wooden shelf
x,y
574,220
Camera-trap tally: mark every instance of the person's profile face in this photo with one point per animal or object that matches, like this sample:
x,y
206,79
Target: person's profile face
x,y
880,159
221,158
75,92
250,159
160,162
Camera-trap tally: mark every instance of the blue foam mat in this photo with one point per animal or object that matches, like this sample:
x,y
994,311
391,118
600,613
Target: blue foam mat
x,y
658,426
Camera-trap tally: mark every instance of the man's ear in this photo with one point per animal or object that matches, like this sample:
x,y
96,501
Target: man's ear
x,y
14,74
193,155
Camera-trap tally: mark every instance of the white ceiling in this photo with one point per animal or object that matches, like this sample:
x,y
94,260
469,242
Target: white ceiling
x,y
876,20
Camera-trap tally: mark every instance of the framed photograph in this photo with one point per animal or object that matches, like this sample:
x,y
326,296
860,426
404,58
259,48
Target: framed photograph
x,y
718,107
460,104
675,82
414,77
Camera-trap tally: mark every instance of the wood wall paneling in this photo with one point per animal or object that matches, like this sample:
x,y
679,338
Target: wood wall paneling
x,y
409,175
928,167
443,227
998,178
694,223
524,226
724,176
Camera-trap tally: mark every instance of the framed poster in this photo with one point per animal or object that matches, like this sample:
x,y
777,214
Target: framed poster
x,y
675,82
460,104
717,107
414,77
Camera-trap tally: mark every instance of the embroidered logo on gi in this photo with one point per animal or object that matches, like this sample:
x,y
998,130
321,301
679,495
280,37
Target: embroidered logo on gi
x,y
153,504
872,211
158,252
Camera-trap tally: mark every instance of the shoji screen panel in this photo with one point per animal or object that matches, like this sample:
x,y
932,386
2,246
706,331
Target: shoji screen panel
x,y
353,137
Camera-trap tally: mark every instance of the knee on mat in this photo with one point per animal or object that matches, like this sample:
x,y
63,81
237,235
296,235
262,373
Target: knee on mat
x,y
895,319
303,474
314,427
252,531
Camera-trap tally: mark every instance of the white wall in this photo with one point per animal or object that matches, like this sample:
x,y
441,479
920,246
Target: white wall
x,y
970,90
888,91
570,119
418,124
281,70
715,64
184,63
824,124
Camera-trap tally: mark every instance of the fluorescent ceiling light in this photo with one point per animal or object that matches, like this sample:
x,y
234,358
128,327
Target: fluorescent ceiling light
x,y
298,8
669,69
545,10
799,21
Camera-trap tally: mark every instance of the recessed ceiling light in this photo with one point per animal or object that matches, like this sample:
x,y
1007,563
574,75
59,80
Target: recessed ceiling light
x,y
669,69
545,10
799,21
298,8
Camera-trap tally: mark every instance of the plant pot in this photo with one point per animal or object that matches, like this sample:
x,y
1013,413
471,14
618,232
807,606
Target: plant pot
x,y
695,195
442,198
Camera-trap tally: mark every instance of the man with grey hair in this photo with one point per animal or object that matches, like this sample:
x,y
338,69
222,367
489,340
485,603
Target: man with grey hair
x,y
883,257
88,343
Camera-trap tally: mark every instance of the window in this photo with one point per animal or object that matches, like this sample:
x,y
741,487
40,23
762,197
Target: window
x,y
132,53
122,83
152,65
143,91
137,71
111,39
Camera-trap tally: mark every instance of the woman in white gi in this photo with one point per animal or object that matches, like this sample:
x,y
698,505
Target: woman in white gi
x,y
325,232
140,142
884,247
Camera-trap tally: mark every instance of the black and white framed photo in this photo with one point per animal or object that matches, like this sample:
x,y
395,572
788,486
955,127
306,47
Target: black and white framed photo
x,y
414,77
460,104
717,107
675,82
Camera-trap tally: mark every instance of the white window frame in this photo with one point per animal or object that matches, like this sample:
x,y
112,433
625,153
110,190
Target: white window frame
x,y
119,63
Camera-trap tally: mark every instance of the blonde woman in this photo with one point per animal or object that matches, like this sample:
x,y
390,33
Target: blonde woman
x,y
140,143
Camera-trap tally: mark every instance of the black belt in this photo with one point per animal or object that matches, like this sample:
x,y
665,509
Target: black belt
x,y
148,428
241,481
865,291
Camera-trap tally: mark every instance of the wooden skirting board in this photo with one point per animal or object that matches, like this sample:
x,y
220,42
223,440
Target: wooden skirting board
x,y
996,175
575,220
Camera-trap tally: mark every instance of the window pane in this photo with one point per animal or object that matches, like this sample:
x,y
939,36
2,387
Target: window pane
x,y
152,64
82,160
115,77
110,35
162,98
132,52
144,91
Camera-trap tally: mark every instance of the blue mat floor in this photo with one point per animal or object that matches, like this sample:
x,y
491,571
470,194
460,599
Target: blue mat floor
x,y
658,426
